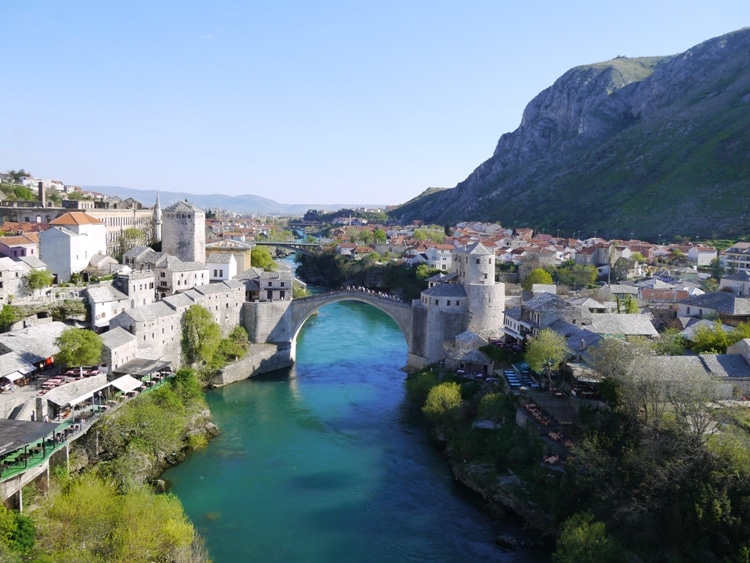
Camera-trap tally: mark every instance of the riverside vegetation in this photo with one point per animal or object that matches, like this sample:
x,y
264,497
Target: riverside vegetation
x,y
648,479
112,507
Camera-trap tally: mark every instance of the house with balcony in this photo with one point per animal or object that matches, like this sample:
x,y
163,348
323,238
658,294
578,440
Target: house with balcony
x,y
737,257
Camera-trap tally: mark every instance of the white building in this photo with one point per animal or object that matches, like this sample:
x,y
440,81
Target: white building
x,y
222,266
70,243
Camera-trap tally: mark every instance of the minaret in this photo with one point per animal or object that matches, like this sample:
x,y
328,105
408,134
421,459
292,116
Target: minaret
x,y
157,219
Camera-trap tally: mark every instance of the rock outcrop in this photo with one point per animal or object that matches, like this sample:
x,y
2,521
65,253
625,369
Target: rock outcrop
x,y
651,145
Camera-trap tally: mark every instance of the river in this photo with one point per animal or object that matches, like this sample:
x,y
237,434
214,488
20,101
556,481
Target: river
x,y
327,461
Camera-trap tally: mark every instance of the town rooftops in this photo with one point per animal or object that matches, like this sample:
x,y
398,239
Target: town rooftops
x,y
36,344
116,338
628,325
105,293
150,312
721,302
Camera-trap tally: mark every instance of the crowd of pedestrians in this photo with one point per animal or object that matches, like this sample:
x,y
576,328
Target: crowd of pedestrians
x,y
372,292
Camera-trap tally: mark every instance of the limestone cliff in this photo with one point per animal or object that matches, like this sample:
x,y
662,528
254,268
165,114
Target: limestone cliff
x,y
646,145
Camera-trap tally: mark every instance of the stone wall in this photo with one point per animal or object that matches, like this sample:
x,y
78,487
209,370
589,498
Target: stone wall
x,y
262,358
262,320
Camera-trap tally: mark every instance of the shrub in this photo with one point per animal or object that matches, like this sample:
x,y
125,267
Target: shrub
x,y
443,402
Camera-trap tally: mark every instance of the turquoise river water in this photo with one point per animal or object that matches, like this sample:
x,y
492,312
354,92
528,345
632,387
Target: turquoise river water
x,y
327,462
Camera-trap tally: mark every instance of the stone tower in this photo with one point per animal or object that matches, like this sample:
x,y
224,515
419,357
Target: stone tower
x,y
486,298
157,219
468,299
184,232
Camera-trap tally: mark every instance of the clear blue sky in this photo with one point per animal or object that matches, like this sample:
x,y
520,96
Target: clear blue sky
x,y
301,102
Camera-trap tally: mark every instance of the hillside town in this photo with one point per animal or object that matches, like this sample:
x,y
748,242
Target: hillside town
x,y
206,260
489,295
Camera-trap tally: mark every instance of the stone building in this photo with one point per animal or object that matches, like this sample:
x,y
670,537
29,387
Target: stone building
x,y
470,300
184,232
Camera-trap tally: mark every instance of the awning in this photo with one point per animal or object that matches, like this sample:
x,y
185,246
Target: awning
x,y
141,367
77,391
126,383
15,434
13,376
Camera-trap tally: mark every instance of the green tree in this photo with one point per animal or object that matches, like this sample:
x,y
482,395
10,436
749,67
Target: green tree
x,y
260,257
575,276
546,352
714,340
716,269
8,315
638,257
419,235
619,270
18,176
443,402
78,347
537,275
584,540
232,348
379,235
631,306
39,279
200,336
670,343
364,236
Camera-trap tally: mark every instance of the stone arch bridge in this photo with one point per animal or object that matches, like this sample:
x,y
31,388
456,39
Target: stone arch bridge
x,y
279,322
302,308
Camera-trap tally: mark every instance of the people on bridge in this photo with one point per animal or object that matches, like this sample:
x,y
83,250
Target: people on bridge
x,y
373,292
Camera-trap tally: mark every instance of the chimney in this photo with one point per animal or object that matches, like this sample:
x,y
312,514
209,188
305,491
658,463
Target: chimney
x,y
42,195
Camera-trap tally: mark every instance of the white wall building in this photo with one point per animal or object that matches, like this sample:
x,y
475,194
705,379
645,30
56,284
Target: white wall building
x,y
70,243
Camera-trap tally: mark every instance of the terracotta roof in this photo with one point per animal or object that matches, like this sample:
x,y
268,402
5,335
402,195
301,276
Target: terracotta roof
x,y
76,218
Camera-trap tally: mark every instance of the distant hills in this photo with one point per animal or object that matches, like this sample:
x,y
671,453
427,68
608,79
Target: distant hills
x,y
245,204
648,146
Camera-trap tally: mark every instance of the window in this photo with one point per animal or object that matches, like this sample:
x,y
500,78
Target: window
x,y
282,284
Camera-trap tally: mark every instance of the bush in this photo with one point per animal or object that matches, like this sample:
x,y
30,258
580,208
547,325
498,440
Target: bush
x,y
443,403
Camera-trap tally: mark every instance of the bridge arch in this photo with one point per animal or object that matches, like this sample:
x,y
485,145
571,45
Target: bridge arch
x,y
303,308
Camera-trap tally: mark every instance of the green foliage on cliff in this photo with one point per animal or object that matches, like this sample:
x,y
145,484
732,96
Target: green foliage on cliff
x,y
326,269
200,336
151,427
90,519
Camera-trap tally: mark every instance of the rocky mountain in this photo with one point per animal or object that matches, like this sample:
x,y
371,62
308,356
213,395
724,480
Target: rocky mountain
x,y
648,146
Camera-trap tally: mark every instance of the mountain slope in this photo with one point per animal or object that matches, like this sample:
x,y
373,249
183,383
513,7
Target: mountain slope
x,y
649,146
